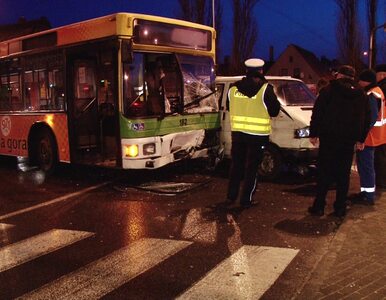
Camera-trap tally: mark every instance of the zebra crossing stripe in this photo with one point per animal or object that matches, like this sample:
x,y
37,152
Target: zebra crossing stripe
x,y
246,274
39,245
110,272
4,226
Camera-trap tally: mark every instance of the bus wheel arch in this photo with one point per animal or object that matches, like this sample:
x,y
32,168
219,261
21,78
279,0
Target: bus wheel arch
x,y
43,148
272,162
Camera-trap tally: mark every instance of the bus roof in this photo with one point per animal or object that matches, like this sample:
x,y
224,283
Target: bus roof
x,y
118,24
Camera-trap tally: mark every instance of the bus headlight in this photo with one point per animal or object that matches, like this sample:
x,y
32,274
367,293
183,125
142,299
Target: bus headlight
x,y
131,150
149,149
302,132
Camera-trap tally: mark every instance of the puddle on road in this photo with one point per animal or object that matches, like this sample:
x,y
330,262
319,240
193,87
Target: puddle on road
x,y
165,188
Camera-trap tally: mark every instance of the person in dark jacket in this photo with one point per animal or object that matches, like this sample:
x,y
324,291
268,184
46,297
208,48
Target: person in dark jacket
x,y
340,119
252,102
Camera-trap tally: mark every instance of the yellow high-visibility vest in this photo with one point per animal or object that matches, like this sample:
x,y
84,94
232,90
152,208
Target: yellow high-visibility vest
x,y
249,115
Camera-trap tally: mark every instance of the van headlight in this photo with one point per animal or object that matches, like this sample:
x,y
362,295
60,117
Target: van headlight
x,y
302,132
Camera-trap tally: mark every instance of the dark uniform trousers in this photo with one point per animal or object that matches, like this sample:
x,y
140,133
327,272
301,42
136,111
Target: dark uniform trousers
x,y
247,153
334,165
380,166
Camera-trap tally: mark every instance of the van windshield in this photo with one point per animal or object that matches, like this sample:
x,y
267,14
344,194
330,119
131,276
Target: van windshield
x,y
293,93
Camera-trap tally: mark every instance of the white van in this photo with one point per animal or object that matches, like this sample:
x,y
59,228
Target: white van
x,y
289,142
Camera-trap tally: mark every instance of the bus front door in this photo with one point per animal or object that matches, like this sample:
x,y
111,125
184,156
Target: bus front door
x,y
85,111
91,115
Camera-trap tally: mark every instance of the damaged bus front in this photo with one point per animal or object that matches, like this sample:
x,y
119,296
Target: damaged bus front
x,y
170,110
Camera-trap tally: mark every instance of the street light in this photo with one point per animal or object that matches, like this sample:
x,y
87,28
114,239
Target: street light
x,y
372,33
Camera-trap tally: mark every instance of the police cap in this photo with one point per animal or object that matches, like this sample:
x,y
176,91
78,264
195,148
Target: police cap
x,y
254,65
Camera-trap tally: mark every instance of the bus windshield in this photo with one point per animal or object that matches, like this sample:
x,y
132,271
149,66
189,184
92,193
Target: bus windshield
x,y
199,86
154,84
293,93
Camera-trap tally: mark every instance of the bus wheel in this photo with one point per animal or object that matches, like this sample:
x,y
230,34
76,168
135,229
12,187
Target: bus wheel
x,y
45,152
271,164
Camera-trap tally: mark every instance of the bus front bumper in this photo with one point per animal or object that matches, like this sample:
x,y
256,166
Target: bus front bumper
x,y
158,162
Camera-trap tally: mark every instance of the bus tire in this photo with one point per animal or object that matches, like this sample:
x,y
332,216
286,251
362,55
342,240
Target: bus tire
x,y
45,153
270,166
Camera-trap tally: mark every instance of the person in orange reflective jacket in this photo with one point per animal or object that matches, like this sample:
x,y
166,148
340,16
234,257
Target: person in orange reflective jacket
x,y
380,151
252,102
375,137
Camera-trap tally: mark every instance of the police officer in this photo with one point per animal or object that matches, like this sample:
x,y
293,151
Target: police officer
x,y
252,102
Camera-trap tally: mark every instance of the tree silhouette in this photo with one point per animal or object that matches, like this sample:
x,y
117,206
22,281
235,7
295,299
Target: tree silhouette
x,y
195,11
244,34
348,34
372,6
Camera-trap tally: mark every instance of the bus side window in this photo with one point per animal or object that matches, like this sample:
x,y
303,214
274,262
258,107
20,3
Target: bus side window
x,y
31,91
56,89
16,101
43,90
34,96
4,94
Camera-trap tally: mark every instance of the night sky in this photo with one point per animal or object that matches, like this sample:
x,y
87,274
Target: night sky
x,y
308,24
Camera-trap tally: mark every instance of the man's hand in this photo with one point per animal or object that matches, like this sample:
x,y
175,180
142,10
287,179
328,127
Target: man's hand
x,y
360,146
314,141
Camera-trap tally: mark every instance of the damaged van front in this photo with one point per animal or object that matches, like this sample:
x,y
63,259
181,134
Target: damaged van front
x,y
289,141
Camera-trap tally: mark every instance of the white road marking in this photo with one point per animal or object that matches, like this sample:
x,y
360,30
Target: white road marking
x,y
56,200
246,274
4,226
39,245
110,272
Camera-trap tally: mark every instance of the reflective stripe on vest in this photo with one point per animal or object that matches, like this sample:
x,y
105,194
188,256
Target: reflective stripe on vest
x,y
247,114
380,123
368,190
249,124
377,134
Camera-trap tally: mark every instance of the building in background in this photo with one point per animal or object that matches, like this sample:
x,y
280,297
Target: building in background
x,y
303,64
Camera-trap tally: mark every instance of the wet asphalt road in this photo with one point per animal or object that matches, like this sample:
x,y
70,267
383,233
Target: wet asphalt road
x,y
120,210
